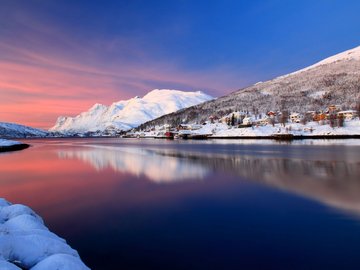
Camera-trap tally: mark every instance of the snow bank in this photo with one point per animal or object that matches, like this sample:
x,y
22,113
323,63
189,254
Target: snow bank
x,y
4,143
26,243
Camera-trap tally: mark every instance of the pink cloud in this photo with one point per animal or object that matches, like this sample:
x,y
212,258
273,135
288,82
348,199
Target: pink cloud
x,y
36,88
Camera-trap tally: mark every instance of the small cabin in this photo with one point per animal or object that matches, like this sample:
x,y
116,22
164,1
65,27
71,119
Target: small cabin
x,y
348,115
247,121
264,121
189,127
295,117
334,108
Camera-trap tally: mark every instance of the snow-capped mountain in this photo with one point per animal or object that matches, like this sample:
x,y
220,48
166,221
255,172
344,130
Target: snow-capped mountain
x,y
126,114
11,130
334,80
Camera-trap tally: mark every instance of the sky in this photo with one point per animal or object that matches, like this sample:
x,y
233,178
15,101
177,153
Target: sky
x,y
60,57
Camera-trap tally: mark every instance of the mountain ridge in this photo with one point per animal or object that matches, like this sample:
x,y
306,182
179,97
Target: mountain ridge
x,y
12,130
127,114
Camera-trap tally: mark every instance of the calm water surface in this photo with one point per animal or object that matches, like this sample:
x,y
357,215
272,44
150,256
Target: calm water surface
x,y
157,204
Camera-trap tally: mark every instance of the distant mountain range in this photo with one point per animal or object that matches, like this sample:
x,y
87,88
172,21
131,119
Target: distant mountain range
x,y
335,80
127,114
10,130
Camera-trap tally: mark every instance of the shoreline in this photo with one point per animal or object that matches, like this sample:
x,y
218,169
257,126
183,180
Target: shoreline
x,y
294,137
270,137
15,147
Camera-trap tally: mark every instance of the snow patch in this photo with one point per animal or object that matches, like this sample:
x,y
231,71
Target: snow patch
x,y
4,142
349,55
26,242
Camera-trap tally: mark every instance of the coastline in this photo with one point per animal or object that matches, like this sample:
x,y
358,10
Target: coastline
x,y
15,147
295,137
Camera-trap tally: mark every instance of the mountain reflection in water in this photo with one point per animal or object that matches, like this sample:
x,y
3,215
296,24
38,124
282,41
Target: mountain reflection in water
x,y
330,180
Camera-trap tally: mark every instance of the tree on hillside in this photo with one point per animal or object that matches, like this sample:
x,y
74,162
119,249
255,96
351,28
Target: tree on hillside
x,y
357,108
284,117
233,119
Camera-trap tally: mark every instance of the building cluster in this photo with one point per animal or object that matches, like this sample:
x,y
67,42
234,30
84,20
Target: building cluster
x,y
244,119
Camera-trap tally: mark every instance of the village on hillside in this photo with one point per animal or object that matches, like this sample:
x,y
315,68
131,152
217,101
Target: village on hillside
x,y
331,122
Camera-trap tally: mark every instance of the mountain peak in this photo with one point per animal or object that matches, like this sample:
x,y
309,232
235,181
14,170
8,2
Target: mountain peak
x,y
127,114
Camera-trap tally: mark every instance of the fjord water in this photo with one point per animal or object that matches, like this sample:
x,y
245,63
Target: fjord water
x,y
158,204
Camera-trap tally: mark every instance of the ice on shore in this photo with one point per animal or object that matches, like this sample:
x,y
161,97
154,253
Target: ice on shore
x,y
26,243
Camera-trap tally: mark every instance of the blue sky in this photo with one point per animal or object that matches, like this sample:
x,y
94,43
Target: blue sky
x,y
71,54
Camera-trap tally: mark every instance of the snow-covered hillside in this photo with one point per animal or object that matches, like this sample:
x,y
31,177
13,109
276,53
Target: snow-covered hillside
x,y
349,55
126,114
10,130
334,80
25,242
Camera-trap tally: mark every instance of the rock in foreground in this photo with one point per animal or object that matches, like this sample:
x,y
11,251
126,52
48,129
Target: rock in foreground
x,y
7,145
26,243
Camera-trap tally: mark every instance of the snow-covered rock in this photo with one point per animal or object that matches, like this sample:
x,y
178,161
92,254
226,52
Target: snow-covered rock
x,y
11,130
8,145
126,114
4,143
26,243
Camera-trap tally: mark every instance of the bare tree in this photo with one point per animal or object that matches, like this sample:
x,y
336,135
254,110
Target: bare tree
x,y
284,117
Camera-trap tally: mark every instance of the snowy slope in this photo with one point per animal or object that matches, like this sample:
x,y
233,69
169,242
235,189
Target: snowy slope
x,y
10,130
334,80
25,242
349,55
130,113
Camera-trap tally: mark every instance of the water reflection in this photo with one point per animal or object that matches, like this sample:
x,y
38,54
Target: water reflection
x,y
139,162
334,182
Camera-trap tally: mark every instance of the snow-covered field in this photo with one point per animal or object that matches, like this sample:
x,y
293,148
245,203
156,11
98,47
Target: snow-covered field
x,y
26,243
217,130
310,129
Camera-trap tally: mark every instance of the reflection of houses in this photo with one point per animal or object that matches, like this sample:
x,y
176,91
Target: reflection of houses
x,y
329,180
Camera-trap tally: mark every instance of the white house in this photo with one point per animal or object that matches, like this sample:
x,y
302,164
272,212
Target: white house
x,y
247,121
295,117
348,115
